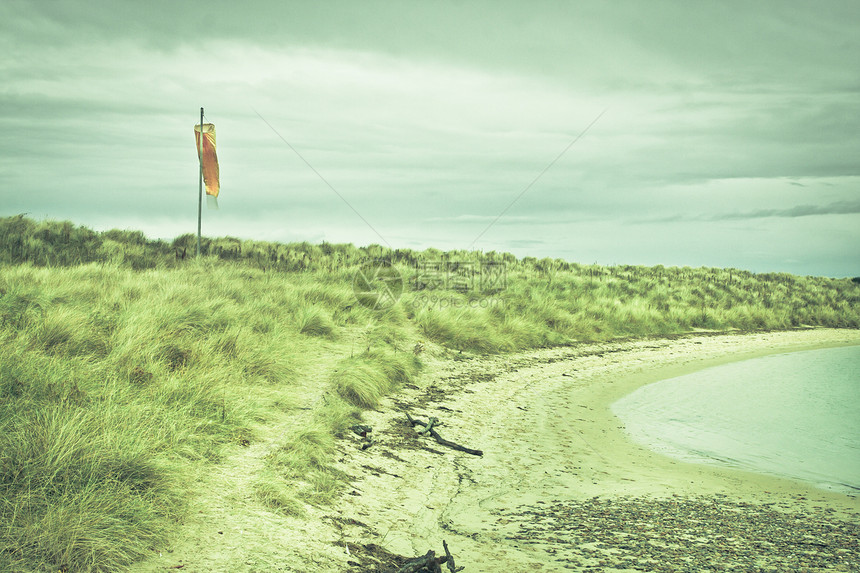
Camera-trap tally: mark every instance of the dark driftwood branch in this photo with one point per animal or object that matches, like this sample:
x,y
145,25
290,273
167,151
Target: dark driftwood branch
x,y
428,562
428,427
452,567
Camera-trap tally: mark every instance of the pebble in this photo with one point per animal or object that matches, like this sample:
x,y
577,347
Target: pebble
x,y
688,534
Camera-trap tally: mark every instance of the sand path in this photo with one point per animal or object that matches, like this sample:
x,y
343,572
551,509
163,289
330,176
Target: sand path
x,y
227,528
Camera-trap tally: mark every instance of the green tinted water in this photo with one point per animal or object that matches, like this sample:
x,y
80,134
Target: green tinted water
x,y
795,415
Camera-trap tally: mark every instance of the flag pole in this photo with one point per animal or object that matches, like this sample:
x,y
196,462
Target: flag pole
x,y
200,197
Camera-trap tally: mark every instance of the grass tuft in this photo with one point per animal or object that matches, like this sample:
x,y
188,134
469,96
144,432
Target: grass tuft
x,y
313,322
273,493
364,379
81,491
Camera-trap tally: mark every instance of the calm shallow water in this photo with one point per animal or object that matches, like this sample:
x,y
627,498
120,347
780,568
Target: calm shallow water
x,y
795,415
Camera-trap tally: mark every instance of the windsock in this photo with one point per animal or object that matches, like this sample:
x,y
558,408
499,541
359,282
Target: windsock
x,y
209,159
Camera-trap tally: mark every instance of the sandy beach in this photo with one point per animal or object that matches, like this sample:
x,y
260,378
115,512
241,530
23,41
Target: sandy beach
x,y
560,487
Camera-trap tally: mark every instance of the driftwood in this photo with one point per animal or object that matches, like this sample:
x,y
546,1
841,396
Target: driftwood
x,y
429,429
450,563
429,563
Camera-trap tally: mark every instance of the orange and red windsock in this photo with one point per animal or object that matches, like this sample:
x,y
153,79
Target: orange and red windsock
x,y
209,159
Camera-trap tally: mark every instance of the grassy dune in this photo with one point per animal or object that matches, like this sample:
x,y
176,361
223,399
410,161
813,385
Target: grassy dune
x,y
126,367
116,383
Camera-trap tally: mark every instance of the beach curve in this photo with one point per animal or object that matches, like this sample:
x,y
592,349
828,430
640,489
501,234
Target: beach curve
x,y
552,449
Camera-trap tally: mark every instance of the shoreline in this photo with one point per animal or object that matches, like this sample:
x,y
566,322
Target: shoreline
x,y
637,409
544,422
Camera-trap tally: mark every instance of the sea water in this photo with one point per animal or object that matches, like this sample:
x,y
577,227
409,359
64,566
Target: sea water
x,y
795,415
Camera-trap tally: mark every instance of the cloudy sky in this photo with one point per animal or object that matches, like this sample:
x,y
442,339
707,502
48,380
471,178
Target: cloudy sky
x,y
659,132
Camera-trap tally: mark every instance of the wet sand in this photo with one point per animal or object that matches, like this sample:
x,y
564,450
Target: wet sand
x,y
561,487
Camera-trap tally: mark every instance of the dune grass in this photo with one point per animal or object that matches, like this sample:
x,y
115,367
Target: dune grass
x,y
127,368
363,380
113,381
581,304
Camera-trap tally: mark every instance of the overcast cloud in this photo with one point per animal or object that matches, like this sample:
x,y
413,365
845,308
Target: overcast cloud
x,y
729,134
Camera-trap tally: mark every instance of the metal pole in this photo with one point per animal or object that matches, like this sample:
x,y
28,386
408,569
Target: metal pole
x,y
200,197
